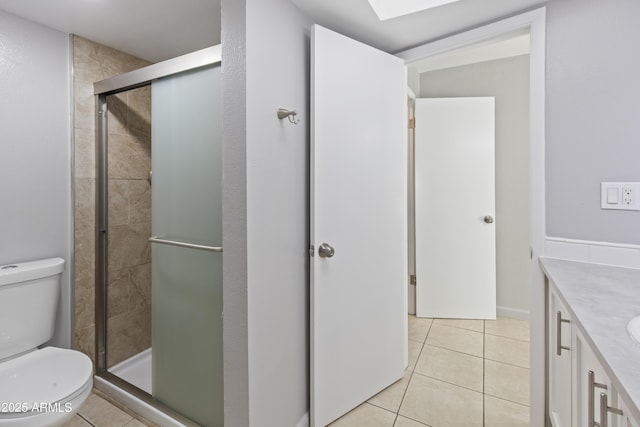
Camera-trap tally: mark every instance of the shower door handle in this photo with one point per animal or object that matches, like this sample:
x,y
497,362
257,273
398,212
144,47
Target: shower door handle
x,y
162,241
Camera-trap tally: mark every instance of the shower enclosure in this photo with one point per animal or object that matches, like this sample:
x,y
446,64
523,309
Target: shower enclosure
x,y
159,236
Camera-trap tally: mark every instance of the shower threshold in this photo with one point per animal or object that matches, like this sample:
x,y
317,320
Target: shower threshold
x,y
136,370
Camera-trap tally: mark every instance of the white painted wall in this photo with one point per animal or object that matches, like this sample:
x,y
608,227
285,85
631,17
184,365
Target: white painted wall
x,y
35,152
593,125
266,228
507,80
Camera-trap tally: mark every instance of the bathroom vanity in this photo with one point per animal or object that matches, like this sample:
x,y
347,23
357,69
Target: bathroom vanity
x,y
593,363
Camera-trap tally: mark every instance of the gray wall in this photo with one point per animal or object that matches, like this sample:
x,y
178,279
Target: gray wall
x,y
265,207
593,116
35,151
507,80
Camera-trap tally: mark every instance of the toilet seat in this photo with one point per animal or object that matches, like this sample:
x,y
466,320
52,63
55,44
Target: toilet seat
x,y
45,382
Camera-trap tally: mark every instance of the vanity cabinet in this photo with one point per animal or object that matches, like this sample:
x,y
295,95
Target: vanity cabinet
x,y
560,371
580,392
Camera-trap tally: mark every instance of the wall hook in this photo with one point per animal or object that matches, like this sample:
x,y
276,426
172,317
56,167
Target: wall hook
x,y
282,113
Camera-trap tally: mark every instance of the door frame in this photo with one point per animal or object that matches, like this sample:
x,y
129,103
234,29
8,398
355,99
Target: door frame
x,y
535,22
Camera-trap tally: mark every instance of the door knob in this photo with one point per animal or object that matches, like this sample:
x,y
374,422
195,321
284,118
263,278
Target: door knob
x,y
488,219
326,250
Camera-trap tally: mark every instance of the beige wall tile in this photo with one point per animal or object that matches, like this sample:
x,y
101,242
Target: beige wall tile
x,y
139,201
140,111
391,397
366,415
140,291
456,339
507,350
117,114
502,413
118,199
128,158
471,324
128,245
419,328
437,403
452,367
128,334
85,342
506,327
94,62
85,153
506,382
118,288
84,105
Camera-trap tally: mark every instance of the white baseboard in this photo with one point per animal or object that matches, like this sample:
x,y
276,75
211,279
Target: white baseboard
x,y
304,421
615,254
513,313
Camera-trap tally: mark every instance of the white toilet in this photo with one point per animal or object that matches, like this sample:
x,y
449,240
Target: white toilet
x,y
38,387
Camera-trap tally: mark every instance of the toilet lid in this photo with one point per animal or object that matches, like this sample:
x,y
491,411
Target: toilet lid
x,y
47,375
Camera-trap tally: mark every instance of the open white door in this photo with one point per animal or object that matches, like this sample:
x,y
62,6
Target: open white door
x,y
455,208
359,210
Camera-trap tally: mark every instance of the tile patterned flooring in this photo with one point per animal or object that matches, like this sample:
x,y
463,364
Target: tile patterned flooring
x,y
99,411
461,373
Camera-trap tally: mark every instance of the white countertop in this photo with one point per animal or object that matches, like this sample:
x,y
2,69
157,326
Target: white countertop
x,y
602,300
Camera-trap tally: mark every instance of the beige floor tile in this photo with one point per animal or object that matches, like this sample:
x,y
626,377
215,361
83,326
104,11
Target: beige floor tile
x,y
366,415
135,423
391,397
407,422
102,413
76,421
456,339
471,324
437,403
418,328
415,348
502,413
507,350
506,327
452,367
506,382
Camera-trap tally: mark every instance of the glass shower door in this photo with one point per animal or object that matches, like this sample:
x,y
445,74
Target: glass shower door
x,y
186,247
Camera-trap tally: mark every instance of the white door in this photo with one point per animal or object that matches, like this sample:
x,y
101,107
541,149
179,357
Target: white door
x,y
455,208
359,208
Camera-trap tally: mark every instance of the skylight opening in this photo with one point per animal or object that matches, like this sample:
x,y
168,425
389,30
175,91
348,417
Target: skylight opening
x,y
387,9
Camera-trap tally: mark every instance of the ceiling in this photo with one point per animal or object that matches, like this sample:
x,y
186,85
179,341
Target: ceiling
x,y
156,30
356,19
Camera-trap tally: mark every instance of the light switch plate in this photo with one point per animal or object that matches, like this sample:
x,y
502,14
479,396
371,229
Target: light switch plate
x,y
620,196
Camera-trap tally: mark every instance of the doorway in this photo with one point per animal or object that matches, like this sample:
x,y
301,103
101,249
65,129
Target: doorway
x,y
534,22
496,68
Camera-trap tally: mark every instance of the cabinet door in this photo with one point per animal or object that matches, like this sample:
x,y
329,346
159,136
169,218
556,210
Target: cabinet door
x,y
626,420
559,335
590,380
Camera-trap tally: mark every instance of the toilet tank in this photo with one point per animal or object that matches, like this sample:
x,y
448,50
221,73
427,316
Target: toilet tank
x,y
29,293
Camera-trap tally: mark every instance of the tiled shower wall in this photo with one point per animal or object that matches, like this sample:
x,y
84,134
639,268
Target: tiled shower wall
x,y
129,287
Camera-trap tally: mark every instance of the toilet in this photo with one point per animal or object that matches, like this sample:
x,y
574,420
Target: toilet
x,y
41,387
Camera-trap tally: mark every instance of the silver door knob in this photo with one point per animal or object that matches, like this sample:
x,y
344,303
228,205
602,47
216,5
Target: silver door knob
x,y
326,250
488,219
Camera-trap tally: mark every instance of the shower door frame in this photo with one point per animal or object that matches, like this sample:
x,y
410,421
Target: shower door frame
x,y
111,86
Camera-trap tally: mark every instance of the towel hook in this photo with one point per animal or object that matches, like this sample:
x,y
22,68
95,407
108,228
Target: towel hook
x,y
282,113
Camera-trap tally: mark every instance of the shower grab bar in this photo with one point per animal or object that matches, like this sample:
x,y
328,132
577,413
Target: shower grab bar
x,y
159,239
